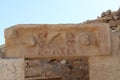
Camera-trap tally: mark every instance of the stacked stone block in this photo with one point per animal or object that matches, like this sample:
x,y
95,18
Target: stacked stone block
x,y
44,52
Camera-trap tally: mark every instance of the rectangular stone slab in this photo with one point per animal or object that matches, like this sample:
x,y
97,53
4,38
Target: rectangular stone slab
x,y
68,69
12,69
104,68
57,40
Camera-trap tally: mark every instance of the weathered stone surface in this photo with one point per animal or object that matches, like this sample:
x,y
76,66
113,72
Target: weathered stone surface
x,y
57,41
44,78
115,40
104,68
74,69
12,69
2,51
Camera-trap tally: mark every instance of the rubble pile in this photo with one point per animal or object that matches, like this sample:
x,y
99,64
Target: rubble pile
x,y
112,18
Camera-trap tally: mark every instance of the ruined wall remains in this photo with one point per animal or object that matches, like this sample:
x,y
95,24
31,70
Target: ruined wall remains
x,y
87,51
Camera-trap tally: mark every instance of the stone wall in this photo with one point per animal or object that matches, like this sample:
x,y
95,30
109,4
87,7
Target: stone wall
x,y
87,51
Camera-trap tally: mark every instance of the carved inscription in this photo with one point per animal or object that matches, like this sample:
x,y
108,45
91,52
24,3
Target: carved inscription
x,y
70,43
42,42
58,41
56,44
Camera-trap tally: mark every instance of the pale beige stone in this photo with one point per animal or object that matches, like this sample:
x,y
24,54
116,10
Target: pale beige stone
x,y
115,40
104,68
57,40
12,69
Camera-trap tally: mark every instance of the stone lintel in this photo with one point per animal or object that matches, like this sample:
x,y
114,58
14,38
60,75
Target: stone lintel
x,y
57,40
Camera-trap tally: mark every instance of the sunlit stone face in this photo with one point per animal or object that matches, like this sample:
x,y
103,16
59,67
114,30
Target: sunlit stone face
x,y
57,41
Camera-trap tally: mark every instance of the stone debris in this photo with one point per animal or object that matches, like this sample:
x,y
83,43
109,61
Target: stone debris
x,y
72,69
109,17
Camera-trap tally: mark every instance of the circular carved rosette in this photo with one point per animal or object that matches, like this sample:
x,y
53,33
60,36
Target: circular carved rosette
x,y
84,39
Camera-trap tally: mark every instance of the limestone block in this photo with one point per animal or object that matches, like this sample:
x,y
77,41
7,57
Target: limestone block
x,y
115,40
12,69
57,40
104,68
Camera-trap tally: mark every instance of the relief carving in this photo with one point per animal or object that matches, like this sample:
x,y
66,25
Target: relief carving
x,y
56,44
84,39
42,42
30,42
70,43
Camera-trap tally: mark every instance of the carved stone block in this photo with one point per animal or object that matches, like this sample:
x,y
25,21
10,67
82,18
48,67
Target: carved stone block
x,y
57,41
104,68
12,69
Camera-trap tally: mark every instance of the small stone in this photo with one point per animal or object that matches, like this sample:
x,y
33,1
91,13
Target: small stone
x,y
108,12
112,23
63,62
103,14
115,17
